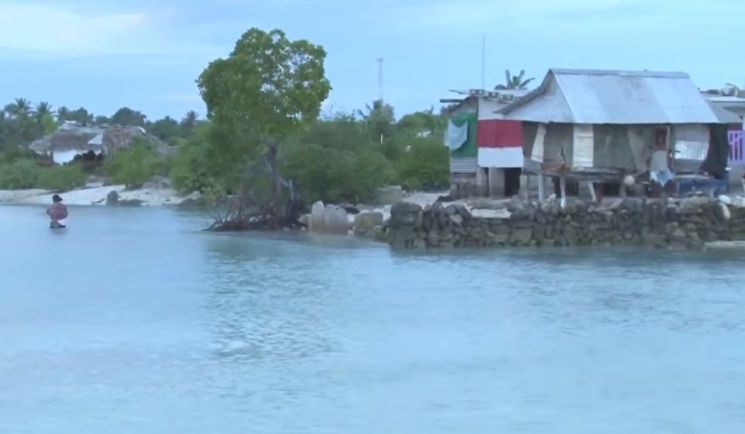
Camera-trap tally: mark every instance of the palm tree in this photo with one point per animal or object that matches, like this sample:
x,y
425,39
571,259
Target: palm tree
x,y
379,119
515,81
188,123
63,114
19,109
44,109
45,122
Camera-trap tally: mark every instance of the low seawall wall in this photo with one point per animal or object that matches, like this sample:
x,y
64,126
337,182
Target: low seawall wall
x,y
687,223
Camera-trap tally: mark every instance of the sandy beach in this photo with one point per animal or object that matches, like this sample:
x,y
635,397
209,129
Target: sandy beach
x,y
95,195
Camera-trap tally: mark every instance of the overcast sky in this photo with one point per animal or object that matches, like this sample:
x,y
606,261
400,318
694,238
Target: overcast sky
x,y
147,54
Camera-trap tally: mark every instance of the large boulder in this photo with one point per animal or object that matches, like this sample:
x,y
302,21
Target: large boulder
x,y
336,220
329,219
112,199
317,218
366,221
378,233
722,212
458,209
404,214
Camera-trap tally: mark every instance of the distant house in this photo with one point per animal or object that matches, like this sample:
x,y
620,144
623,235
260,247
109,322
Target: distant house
x,y
71,141
729,106
485,151
602,125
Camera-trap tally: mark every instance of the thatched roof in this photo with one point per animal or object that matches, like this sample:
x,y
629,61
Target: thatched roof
x,y
97,139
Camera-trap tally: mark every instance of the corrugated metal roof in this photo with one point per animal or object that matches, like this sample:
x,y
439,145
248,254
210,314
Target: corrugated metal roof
x,y
724,115
613,97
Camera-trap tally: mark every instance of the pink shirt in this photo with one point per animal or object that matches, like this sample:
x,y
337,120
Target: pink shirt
x,y
57,211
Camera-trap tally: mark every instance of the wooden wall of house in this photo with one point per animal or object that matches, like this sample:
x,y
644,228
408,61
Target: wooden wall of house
x,y
613,146
623,147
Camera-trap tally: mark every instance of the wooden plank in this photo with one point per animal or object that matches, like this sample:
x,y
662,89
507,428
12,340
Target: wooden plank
x,y
541,188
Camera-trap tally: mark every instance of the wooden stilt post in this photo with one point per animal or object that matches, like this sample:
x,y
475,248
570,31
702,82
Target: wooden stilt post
x,y
541,188
524,187
593,193
563,187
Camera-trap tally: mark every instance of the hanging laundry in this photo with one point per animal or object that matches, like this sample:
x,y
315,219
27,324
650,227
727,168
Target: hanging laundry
x,y
456,136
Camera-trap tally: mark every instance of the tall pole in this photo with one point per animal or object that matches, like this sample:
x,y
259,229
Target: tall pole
x,y
483,62
380,79
380,88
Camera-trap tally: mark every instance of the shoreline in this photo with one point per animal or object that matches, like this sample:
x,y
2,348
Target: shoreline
x,y
96,195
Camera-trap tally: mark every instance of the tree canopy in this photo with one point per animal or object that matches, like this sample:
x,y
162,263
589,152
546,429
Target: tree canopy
x,y
125,116
263,104
81,115
379,120
267,88
165,129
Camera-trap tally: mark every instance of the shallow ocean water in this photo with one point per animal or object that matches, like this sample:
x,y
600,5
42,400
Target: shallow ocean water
x,y
136,321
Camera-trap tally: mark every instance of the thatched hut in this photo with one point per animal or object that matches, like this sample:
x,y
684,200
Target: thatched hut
x,y
71,141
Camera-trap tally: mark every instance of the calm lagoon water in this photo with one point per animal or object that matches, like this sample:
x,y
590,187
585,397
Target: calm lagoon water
x,y
135,321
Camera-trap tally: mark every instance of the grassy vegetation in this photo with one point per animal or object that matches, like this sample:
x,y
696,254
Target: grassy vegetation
x,y
135,166
61,178
27,173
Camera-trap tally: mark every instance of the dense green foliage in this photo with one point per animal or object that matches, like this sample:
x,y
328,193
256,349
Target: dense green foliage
x,y
166,129
80,115
135,166
263,104
424,165
61,178
125,116
335,160
19,174
192,169
267,88
21,123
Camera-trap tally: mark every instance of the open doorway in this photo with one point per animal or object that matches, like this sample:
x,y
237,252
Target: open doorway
x,y
512,181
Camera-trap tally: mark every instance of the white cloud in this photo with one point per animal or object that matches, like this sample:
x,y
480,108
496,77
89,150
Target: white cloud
x,y
57,30
457,14
477,16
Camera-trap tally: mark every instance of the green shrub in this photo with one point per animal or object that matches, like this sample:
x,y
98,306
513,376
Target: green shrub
x,y
13,154
191,169
335,175
61,178
19,175
335,161
424,165
134,166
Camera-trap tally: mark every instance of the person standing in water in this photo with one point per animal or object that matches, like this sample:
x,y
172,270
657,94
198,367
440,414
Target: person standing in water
x,y
56,212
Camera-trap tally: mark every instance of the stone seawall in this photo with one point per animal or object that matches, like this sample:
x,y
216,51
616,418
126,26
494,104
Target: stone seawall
x,y
687,223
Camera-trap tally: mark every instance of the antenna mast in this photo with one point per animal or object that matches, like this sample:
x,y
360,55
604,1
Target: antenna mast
x,y
380,78
483,62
